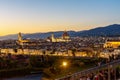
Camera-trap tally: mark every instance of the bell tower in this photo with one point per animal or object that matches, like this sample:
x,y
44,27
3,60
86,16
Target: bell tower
x,y
53,38
19,37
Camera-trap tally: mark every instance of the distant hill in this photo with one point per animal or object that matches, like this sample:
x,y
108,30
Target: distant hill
x,y
111,30
48,34
13,36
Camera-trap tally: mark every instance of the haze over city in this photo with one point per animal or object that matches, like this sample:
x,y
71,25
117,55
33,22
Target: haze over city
x,y
29,16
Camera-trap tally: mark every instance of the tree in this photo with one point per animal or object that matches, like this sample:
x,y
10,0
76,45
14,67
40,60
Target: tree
x,y
15,50
73,52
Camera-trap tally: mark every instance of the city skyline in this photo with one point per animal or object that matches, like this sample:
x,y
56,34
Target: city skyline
x,y
30,16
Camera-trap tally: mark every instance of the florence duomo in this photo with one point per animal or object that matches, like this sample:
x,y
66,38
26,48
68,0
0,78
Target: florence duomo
x,y
64,38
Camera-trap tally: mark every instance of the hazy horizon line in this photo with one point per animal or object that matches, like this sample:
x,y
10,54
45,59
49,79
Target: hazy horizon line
x,y
57,30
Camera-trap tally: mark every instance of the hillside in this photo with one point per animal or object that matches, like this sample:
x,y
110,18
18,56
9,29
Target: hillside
x,y
111,30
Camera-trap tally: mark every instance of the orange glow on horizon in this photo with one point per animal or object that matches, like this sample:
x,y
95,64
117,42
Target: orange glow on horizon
x,y
7,29
35,27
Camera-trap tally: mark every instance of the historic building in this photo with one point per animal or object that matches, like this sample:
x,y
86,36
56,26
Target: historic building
x,y
28,42
64,38
20,40
112,44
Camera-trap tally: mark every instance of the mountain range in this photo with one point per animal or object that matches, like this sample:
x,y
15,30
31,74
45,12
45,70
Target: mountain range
x,y
110,30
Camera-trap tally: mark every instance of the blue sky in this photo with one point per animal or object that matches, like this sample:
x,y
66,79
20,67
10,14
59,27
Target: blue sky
x,y
29,16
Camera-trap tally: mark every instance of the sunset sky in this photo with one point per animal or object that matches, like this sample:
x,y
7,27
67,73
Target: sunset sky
x,y
30,16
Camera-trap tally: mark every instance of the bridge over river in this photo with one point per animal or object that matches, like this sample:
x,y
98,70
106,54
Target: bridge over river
x,y
77,75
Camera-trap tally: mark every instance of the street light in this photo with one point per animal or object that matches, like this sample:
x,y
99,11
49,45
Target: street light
x,y
64,63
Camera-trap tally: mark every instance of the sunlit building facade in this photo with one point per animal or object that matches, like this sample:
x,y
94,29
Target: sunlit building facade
x,y
112,44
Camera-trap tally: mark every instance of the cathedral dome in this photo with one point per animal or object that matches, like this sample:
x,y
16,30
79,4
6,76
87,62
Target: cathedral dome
x,y
65,34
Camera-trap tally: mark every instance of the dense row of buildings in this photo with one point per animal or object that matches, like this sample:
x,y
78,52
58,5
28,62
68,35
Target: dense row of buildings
x,y
63,45
66,38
